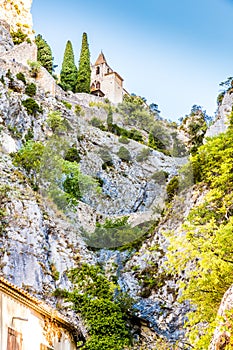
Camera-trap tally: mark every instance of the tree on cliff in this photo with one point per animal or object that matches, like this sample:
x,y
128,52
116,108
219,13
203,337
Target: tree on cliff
x,y
84,71
68,77
44,53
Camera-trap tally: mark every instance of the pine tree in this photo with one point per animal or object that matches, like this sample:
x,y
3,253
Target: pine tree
x,y
44,53
84,71
68,77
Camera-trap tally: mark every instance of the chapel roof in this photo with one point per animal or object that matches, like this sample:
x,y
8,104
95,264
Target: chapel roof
x,y
101,59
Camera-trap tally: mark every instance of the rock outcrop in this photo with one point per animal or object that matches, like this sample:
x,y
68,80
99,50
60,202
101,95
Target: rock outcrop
x,y
221,122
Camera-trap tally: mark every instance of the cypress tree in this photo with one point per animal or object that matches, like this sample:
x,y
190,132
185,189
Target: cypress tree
x,y
84,71
44,53
68,77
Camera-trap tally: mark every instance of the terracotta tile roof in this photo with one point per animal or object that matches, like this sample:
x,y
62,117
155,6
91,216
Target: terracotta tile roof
x,y
115,73
101,59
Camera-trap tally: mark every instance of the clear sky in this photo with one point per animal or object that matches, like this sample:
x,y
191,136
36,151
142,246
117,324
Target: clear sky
x,y
173,52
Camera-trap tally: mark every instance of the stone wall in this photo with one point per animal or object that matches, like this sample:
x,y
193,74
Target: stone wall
x,y
46,81
17,14
21,53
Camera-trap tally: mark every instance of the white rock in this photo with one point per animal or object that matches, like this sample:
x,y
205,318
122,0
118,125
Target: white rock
x,y
8,144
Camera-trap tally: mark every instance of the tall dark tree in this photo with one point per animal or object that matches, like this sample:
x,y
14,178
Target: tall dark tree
x,y
68,77
84,71
44,53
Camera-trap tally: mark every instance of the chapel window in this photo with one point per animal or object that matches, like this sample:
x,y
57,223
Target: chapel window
x,y
97,70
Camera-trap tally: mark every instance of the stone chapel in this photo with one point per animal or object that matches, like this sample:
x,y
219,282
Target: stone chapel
x,y
105,82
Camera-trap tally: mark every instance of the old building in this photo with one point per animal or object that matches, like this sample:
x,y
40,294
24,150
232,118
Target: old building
x,y
28,324
105,82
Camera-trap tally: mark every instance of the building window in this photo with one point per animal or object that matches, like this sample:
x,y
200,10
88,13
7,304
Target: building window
x,y
98,70
98,85
14,340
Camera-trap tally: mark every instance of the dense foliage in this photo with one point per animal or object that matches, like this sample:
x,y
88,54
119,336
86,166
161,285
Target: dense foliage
x,y
116,233
32,106
18,37
44,53
21,76
69,72
30,89
49,171
203,248
104,315
84,70
194,126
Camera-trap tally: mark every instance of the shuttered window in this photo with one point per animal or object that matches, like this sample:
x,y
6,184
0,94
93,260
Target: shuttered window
x,y
14,340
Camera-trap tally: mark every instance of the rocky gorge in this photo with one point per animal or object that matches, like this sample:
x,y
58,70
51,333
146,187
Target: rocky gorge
x,y
41,239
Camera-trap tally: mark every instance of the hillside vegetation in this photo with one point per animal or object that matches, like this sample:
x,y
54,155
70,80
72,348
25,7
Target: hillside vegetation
x,y
202,252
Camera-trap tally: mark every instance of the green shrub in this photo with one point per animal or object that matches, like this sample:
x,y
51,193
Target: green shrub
x,y
111,234
124,140
72,155
21,76
135,135
65,184
29,135
29,156
18,37
14,131
2,80
32,106
34,68
105,317
106,157
67,104
143,155
160,177
98,124
220,97
172,188
124,154
99,105
78,110
4,193
56,122
30,90
55,273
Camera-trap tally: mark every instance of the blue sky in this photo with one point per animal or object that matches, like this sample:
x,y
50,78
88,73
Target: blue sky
x,y
173,52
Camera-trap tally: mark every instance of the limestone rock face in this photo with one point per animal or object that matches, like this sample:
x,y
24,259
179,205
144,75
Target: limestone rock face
x,y
17,14
6,42
221,123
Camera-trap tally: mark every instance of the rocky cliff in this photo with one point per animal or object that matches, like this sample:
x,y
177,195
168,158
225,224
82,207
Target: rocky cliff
x,y
41,241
